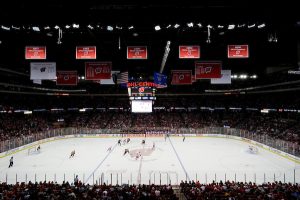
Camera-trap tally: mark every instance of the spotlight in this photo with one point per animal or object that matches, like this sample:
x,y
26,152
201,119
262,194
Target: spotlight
x,y
67,26
251,26
15,28
261,25
219,26
130,27
56,27
119,27
110,28
90,27
5,28
199,25
75,25
157,28
168,26
191,24
47,27
241,25
231,26
35,28
176,25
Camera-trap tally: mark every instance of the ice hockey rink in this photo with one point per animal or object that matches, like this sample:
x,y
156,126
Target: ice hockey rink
x,y
171,160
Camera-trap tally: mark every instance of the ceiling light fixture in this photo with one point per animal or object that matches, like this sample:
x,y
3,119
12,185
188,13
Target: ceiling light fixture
x,y
251,26
35,28
261,25
191,24
110,28
231,26
157,28
75,25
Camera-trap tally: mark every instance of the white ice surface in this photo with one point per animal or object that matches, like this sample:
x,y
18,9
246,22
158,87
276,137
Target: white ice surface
x,y
198,158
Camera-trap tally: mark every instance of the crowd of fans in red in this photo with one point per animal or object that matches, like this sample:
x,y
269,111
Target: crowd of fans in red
x,y
66,191
191,190
277,125
239,190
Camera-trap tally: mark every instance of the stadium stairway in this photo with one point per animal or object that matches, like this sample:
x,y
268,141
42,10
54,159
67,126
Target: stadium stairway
x,y
179,194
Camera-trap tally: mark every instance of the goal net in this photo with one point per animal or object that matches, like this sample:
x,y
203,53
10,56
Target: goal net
x,y
253,150
33,150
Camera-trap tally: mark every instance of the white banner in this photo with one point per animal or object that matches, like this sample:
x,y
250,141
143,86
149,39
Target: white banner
x,y
37,81
225,78
112,80
43,70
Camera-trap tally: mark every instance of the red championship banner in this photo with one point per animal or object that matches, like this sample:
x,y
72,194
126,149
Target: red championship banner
x,y
35,52
86,52
66,77
208,70
186,52
137,52
238,51
97,70
181,77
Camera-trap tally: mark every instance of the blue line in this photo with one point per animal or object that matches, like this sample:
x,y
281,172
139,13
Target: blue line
x,y
100,164
188,177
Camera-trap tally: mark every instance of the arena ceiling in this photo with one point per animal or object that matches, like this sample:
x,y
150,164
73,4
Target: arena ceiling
x,y
20,17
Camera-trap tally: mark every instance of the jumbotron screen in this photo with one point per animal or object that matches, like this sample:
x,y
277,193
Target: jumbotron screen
x,y
141,106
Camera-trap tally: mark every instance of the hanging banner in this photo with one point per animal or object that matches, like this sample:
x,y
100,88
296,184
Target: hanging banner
x,y
225,78
112,80
66,78
43,71
97,70
86,52
208,70
35,52
238,51
137,52
181,77
160,80
189,52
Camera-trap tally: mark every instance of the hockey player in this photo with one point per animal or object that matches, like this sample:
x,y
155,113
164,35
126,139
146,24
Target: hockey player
x,y
126,151
153,146
109,149
72,154
183,138
11,162
143,142
38,148
128,140
138,155
119,142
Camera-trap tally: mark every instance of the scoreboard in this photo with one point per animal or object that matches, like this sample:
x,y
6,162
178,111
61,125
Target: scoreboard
x,y
141,91
142,96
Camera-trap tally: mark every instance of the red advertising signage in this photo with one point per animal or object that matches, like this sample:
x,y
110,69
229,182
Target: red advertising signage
x,y
35,52
97,70
189,52
181,77
238,51
86,52
208,70
66,78
137,52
